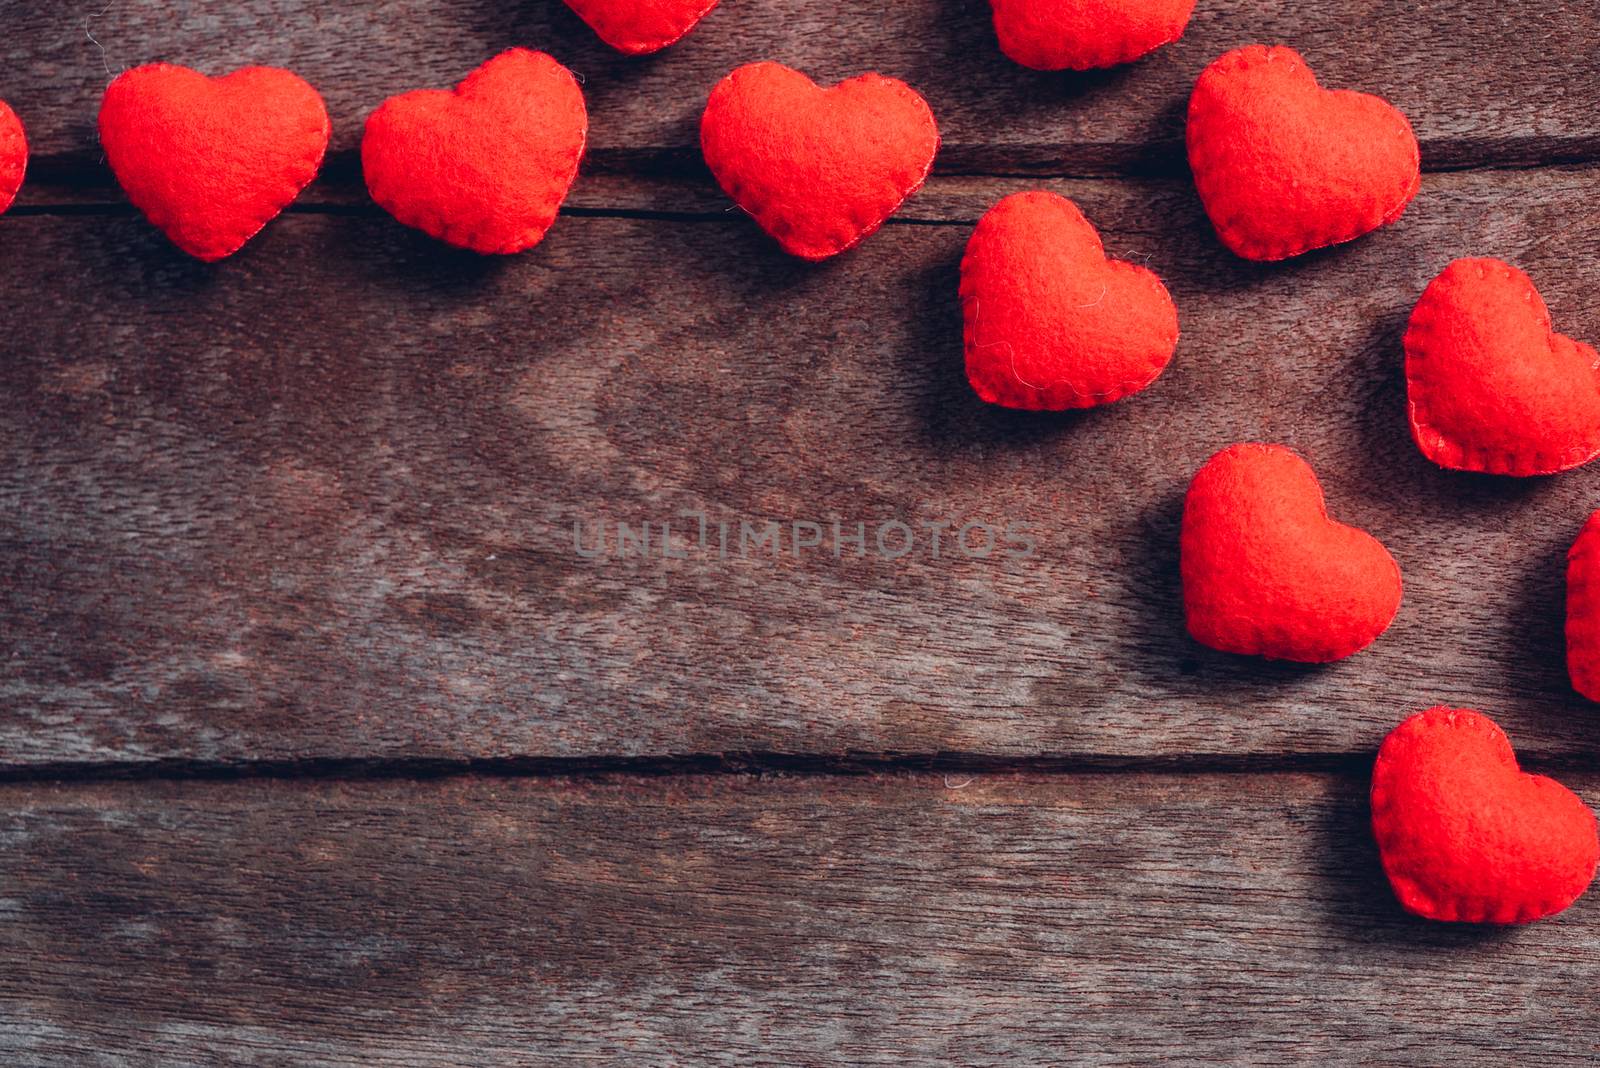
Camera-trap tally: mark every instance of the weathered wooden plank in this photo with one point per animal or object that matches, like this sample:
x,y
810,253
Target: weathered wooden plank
x,y
1510,82
321,501
1106,920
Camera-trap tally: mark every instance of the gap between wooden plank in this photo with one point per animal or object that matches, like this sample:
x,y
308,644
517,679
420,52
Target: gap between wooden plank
x,y
600,192
702,764
734,765
78,171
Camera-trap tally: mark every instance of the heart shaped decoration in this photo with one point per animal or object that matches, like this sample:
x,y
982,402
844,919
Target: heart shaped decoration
x,y
639,27
1284,166
1086,34
1583,610
1491,387
1050,322
1465,835
819,169
13,156
1267,573
487,165
210,161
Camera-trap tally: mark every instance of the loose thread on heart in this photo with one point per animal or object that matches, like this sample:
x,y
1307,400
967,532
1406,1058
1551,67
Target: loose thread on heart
x,y
88,31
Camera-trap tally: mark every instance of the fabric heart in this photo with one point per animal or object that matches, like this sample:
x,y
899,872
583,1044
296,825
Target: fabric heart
x,y
1465,835
210,161
13,156
1050,322
1284,166
638,27
819,169
487,165
1492,388
1583,610
1085,34
1266,572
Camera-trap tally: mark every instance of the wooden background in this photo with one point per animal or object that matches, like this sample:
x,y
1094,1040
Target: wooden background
x,y
319,744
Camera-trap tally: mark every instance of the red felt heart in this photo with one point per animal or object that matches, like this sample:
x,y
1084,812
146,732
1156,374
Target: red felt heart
x,y
1050,322
819,169
1583,610
1284,166
13,155
1465,835
484,166
1492,388
212,160
638,27
1085,34
1266,572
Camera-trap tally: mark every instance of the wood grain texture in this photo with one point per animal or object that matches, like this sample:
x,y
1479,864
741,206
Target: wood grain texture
x,y
320,502
311,510
1104,920
1508,82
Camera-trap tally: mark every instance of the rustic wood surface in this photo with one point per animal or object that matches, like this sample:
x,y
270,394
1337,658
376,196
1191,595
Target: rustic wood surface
x,y
1105,920
320,744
